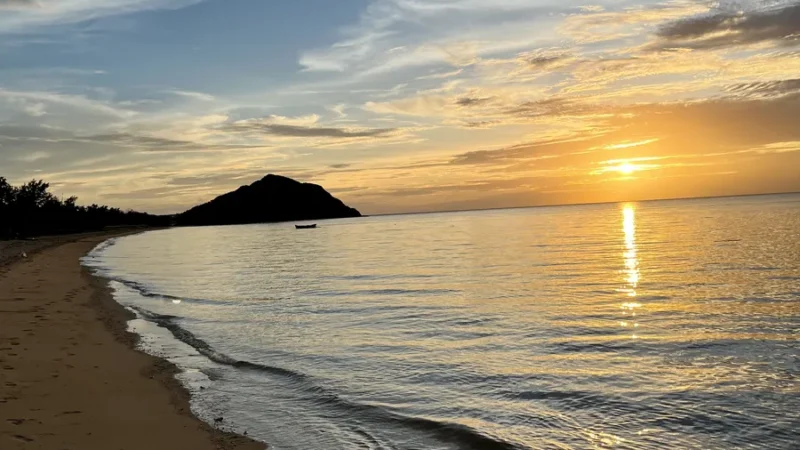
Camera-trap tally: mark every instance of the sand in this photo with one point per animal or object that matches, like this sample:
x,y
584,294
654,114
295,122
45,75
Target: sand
x,y
70,377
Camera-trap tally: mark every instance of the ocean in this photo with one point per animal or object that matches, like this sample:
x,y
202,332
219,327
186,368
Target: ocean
x,y
665,324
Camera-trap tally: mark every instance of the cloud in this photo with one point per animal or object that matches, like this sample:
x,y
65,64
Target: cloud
x,y
154,143
40,134
34,156
546,59
441,75
710,127
300,131
780,147
530,151
720,123
472,101
147,142
49,73
80,103
721,29
35,109
308,120
192,95
271,127
19,4
399,35
552,106
30,132
149,193
766,89
27,16
339,110
423,105
593,26
480,124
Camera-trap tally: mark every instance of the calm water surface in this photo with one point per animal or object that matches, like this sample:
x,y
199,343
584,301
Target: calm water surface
x,y
652,325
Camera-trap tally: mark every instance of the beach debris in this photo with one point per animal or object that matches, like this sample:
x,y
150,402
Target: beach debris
x,y
24,255
218,420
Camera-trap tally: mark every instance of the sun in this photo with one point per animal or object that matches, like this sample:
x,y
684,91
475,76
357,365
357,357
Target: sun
x,y
625,168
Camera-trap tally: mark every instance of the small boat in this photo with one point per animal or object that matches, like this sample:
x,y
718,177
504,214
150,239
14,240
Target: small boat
x,y
305,227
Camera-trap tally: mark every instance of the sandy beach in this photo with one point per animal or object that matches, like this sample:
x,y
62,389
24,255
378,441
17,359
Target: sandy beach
x,y
70,377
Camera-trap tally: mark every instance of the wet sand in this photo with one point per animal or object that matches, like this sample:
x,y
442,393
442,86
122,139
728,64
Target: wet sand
x,y
70,377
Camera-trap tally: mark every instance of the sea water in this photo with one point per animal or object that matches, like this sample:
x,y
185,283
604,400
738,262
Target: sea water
x,y
669,324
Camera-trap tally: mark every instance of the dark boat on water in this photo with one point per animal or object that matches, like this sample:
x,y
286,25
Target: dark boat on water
x,y
305,227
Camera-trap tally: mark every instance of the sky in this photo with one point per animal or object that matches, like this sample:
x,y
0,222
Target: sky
x,y
401,105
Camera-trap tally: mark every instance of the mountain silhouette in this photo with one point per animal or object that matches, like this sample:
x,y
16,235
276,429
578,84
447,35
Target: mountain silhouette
x,y
272,199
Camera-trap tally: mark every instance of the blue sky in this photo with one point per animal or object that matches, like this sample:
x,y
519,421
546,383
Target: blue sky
x,y
400,105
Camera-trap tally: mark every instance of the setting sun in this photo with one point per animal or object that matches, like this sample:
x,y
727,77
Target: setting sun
x,y
625,168
628,166
621,167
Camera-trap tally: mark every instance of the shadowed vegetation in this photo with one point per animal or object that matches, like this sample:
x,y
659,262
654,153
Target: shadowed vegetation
x,y
32,210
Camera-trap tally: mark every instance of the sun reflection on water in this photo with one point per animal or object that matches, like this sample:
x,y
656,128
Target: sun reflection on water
x,y
631,271
631,260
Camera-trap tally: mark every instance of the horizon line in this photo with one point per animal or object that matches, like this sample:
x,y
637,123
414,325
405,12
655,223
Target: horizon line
x,y
560,205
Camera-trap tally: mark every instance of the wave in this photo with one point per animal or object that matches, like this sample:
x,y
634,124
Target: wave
x,y
590,347
148,292
379,292
145,291
462,436
187,337
103,246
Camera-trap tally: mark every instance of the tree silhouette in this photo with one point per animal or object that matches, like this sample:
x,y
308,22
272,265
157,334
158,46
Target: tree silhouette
x,y
32,210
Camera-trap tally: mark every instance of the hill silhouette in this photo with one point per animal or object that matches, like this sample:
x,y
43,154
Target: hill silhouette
x,y
272,199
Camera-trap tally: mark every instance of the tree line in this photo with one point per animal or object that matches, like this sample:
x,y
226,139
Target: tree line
x,y
32,210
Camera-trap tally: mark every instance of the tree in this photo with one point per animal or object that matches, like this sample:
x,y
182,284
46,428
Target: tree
x,y
31,210
7,199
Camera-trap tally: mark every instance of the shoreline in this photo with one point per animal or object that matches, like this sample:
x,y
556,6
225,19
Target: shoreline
x,y
70,372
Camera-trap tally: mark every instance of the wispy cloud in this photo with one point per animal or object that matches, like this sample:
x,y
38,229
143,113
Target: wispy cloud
x,y
153,143
29,15
19,4
70,101
200,96
394,35
720,29
288,130
766,89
